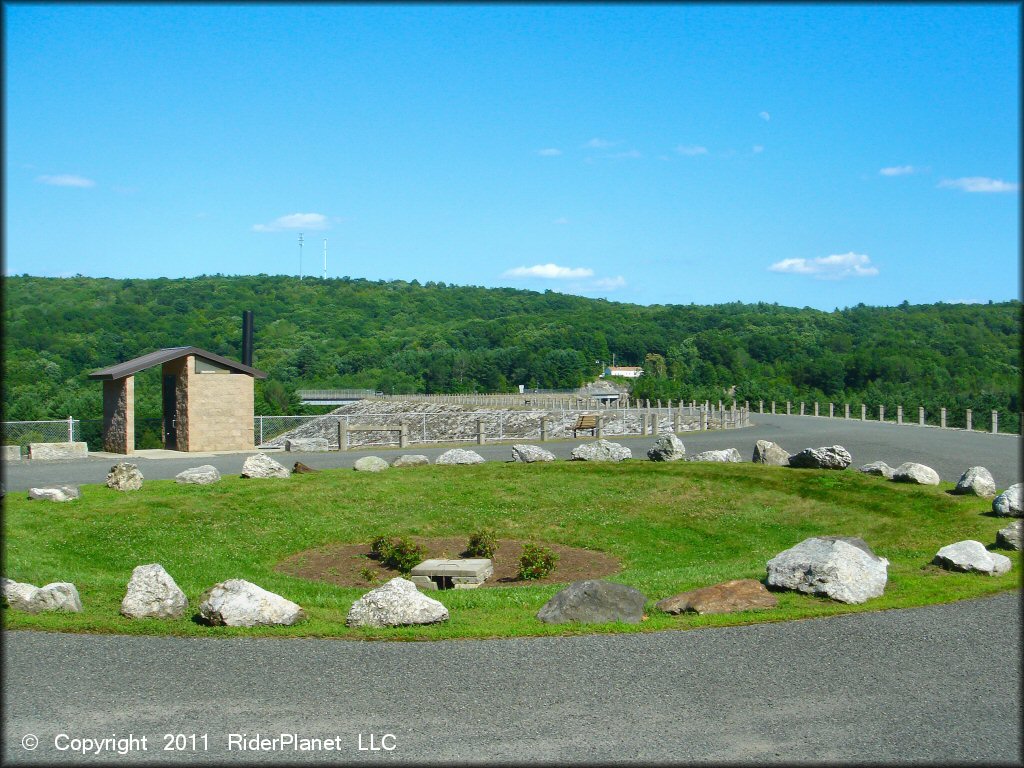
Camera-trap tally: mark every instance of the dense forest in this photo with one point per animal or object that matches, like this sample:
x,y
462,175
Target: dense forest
x,y
401,337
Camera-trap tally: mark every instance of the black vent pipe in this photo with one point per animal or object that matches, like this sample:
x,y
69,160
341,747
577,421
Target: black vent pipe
x,y
247,337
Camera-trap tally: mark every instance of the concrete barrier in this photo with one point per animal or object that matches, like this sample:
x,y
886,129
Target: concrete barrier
x,y
58,450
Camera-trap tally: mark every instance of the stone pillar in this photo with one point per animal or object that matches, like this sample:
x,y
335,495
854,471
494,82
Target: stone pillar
x,y
863,411
760,406
846,410
881,413
543,429
403,435
995,422
831,410
773,407
920,415
789,408
675,423
119,415
815,407
801,407
942,418
899,414
342,435
970,420
480,432
703,419
600,426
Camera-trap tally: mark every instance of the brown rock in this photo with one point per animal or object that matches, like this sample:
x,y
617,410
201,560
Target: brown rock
x,y
736,595
302,469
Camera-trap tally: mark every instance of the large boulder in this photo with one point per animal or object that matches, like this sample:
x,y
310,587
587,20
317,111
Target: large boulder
x,y
729,455
879,468
152,594
203,475
826,457
459,456
728,597
124,477
306,444
918,474
840,567
261,465
410,460
1009,503
55,451
56,493
767,452
970,555
594,602
1010,536
976,481
667,448
531,453
58,596
396,603
370,464
240,603
600,450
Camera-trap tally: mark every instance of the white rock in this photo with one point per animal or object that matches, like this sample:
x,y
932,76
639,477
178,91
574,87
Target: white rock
x,y
977,481
411,460
601,450
152,594
124,477
51,451
307,444
970,555
459,456
1010,536
239,603
773,454
840,567
1009,503
261,465
531,453
667,448
58,596
370,464
57,493
394,604
203,475
826,457
918,474
877,468
728,455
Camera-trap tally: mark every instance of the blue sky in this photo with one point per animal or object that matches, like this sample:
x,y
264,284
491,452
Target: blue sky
x,y
810,155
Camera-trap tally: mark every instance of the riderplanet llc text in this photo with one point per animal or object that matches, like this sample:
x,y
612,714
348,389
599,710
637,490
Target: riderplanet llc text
x,y
114,744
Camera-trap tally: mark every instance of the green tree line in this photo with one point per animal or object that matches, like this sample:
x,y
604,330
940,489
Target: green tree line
x,y
402,337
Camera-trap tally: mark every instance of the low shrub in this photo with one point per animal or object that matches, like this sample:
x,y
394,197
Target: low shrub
x,y
404,556
536,562
482,543
381,548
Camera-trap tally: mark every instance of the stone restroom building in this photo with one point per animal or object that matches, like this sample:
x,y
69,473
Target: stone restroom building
x,y
207,401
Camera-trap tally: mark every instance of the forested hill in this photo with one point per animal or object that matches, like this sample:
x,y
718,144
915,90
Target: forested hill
x,y
406,337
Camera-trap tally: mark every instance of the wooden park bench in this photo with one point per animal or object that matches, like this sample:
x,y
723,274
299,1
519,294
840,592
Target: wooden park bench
x,y
585,422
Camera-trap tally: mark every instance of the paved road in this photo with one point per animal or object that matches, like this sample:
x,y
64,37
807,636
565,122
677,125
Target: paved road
x,y
948,451
936,685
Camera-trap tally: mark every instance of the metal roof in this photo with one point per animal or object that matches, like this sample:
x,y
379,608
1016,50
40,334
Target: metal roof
x,y
130,367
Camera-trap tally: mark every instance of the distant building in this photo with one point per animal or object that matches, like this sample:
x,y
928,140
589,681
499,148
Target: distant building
x,y
625,371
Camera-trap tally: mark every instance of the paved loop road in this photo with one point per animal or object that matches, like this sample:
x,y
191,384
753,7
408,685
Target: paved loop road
x,y
934,684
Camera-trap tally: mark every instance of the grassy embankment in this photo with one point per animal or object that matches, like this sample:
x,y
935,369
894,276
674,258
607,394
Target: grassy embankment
x,y
673,526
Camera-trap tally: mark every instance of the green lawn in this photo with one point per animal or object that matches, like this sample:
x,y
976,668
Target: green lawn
x,y
673,526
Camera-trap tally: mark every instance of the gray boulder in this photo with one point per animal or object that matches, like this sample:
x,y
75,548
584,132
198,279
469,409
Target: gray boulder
x,y
767,452
918,474
977,481
58,596
124,477
826,457
531,453
877,468
594,602
1009,503
204,475
600,450
152,594
841,567
240,603
459,456
411,460
667,448
56,493
729,455
1010,536
55,451
306,444
396,603
261,465
970,555
370,464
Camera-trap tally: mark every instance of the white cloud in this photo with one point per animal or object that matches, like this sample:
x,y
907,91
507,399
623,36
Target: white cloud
x,y
550,272
294,221
66,180
599,144
835,267
898,170
764,116
549,152
691,150
980,184
610,283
